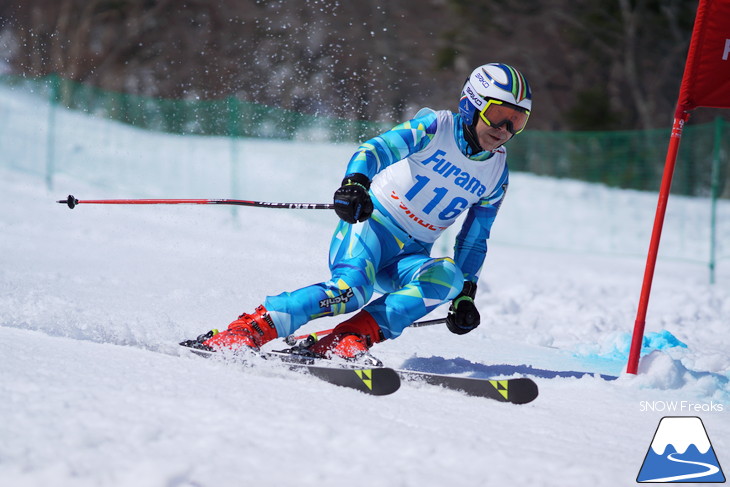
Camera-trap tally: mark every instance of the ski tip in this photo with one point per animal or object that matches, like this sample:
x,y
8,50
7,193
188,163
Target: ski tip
x,y
522,391
388,381
377,381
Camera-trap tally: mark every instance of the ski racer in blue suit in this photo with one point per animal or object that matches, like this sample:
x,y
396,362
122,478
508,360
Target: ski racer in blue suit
x,y
401,190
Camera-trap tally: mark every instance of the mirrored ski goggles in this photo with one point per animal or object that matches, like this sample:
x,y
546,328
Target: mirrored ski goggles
x,y
496,114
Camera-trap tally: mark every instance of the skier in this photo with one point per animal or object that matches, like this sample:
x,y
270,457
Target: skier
x,y
402,189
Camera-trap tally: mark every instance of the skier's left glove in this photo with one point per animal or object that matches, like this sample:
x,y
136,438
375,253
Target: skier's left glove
x,y
463,316
352,201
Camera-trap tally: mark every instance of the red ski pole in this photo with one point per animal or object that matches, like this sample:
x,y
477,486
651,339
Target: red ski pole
x,y
71,201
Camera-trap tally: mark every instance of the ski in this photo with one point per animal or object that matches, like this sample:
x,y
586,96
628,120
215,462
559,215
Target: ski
x,y
375,381
516,391
520,390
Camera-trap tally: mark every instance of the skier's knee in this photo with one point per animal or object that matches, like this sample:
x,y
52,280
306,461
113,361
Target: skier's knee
x,y
444,276
362,292
345,297
358,282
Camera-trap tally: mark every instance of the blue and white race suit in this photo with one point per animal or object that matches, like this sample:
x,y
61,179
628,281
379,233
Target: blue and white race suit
x,y
423,177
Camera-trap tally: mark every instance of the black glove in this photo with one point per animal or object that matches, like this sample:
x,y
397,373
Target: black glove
x,y
463,316
352,201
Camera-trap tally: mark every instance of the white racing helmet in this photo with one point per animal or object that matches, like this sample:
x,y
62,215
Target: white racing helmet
x,y
493,81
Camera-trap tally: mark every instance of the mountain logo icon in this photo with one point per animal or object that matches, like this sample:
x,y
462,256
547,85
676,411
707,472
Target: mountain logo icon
x,y
681,452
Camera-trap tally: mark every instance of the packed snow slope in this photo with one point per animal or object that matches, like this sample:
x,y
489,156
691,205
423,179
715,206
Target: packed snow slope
x,y
94,390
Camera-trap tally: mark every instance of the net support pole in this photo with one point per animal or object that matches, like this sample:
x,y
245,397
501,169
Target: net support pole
x,y
638,336
715,195
53,101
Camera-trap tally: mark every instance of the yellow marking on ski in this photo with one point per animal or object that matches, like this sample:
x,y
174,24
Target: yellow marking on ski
x,y
366,376
502,386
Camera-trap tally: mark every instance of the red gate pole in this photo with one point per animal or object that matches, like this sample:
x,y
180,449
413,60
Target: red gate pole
x,y
638,337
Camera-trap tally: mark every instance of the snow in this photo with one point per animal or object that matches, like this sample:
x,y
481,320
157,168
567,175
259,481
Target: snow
x,y
94,391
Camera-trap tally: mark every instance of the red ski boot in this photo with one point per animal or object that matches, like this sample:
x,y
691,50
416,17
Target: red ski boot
x,y
350,339
249,331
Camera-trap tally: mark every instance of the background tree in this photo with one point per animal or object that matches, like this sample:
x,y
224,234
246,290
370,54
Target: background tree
x,y
592,64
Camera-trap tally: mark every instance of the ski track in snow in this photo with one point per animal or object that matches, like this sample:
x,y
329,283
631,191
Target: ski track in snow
x,y
94,391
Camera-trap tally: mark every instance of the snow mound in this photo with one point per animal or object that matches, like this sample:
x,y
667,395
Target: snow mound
x,y
659,370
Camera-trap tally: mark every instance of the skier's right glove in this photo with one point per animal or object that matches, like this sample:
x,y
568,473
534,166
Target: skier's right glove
x,y
463,316
352,201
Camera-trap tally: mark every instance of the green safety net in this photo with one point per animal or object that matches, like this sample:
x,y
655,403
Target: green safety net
x,y
626,159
